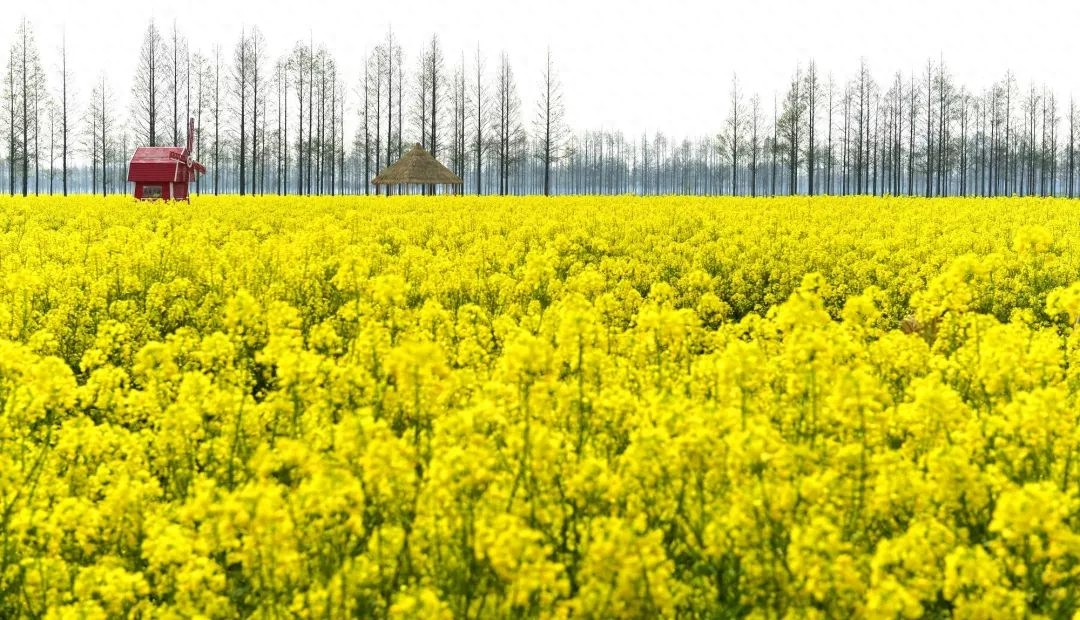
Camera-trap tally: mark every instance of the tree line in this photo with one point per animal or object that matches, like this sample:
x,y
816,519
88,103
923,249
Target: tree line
x,y
277,125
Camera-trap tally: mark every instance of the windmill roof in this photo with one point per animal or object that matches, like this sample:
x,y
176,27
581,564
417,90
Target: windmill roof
x,y
156,153
160,163
417,167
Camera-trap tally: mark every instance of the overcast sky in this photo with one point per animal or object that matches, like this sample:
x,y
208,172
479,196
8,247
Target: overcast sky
x,y
630,64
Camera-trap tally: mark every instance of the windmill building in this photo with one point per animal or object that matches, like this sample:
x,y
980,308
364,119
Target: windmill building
x,y
164,172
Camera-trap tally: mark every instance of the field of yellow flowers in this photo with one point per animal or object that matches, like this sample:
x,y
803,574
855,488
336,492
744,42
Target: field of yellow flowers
x,y
503,408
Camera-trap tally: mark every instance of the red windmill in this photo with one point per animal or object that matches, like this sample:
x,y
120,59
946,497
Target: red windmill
x,y
163,172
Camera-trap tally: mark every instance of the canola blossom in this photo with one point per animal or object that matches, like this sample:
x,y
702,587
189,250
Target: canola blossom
x,y
464,407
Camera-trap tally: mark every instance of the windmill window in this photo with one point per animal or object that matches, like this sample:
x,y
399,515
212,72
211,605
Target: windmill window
x,y
151,191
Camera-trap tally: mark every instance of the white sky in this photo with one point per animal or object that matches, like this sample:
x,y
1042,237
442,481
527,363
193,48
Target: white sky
x,y
629,64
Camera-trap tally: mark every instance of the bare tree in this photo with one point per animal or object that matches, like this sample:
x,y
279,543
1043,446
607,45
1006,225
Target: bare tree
x,y
281,89
217,117
1071,151
89,138
26,89
994,172
511,136
864,93
774,148
459,106
203,80
811,92
11,109
1002,139
240,84
968,118
735,121
791,122
65,133
326,138
755,131
898,135
479,119
1050,153
399,61
256,61
393,70
1009,86
98,139
913,97
830,159
420,105
145,92
311,61
550,122
945,96
176,51
104,96
298,63
434,69
337,130
53,112
40,97
372,127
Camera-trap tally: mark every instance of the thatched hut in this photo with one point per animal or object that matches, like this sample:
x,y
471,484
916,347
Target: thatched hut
x,y
416,168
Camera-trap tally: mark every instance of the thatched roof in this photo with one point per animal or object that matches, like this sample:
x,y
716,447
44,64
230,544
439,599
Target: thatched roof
x,y
417,167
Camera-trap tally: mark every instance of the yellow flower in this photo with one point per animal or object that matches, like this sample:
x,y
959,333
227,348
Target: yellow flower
x,y
425,407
